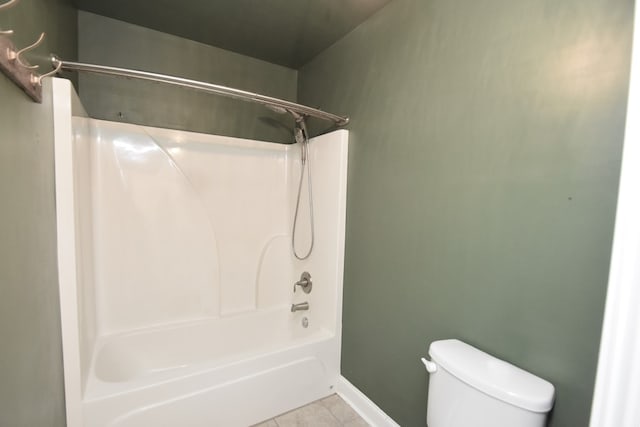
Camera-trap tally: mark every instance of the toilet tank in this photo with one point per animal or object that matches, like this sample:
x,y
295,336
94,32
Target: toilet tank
x,y
468,387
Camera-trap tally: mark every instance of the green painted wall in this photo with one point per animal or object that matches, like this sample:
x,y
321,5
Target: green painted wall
x,y
31,384
110,42
283,32
484,157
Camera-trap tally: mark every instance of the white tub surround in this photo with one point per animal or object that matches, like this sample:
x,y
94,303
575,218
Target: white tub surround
x,y
176,273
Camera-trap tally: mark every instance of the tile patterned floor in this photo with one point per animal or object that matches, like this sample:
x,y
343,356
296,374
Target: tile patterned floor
x,y
331,411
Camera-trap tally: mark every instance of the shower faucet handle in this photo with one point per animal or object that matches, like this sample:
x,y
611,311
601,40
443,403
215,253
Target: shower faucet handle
x,y
304,282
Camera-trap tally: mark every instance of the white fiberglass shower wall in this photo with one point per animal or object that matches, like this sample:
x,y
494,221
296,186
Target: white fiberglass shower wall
x,y
177,273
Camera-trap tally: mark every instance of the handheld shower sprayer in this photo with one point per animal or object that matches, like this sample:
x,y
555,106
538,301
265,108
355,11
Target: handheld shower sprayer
x,y
300,133
301,136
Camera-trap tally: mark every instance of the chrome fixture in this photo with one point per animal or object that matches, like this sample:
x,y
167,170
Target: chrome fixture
x,y
273,103
305,322
299,307
302,137
305,283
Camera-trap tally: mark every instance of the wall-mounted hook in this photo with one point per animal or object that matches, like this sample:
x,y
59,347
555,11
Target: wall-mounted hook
x,y
16,56
3,6
56,63
8,4
15,70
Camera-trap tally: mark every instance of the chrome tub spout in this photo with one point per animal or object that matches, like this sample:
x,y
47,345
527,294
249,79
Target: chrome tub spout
x,y
299,307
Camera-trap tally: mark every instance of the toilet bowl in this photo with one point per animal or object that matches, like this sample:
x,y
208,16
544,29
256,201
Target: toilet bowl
x,y
470,388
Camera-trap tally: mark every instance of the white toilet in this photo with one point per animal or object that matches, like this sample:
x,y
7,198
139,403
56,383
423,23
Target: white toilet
x,y
470,388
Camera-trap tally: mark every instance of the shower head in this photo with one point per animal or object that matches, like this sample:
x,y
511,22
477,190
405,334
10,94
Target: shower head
x,y
300,131
299,118
298,134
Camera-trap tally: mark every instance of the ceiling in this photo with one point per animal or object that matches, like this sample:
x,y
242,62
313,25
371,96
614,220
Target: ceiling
x,y
285,32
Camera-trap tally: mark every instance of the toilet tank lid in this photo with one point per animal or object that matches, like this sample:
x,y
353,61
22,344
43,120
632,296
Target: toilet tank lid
x,y
493,376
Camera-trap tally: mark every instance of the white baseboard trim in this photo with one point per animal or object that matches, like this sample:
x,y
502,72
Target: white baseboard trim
x,y
368,410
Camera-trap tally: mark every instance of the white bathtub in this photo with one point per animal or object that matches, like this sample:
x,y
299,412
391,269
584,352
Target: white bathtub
x,y
176,273
143,355
234,371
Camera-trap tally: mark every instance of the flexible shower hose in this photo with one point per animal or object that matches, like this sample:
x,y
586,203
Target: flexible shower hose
x,y
305,162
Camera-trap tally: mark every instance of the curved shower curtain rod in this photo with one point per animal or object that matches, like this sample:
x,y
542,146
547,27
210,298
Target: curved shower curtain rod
x,y
268,101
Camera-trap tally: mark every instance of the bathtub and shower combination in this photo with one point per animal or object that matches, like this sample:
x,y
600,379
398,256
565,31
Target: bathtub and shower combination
x,y
177,272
